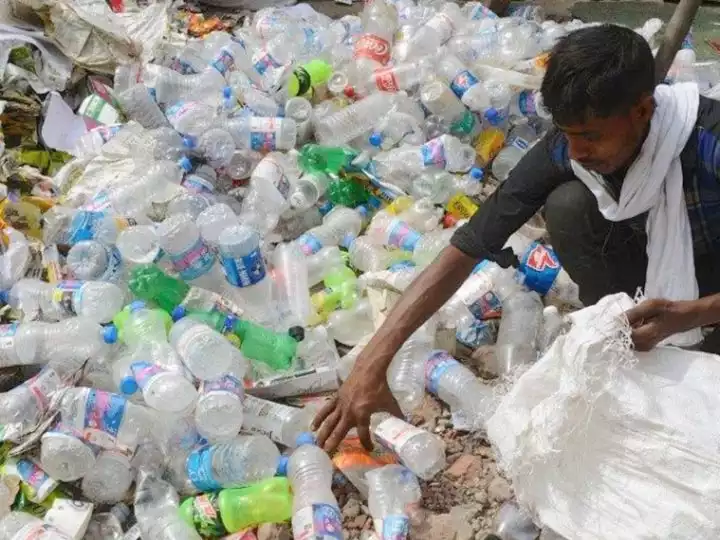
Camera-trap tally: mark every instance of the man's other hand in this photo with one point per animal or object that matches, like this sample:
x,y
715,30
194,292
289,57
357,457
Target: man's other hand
x,y
654,320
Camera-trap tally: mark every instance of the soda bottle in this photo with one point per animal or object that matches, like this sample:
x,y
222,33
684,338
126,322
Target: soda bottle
x,y
374,47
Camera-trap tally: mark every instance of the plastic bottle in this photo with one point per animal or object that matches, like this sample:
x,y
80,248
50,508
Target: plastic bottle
x,y
244,460
315,510
406,371
300,109
281,423
440,100
95,300
369,257
430,246
457,386
323,262
90,144
21,525
512,523
308,190
196,342
108,525
464,83
162,389
156,510
172,87
109,478
65,455
215,145
91,260
233,510
552,327
349,326
139,104
346,124
67,344
518,143
385,229
435,32
444,152
214,220
393,494
219,409
340,225
291,280
421,452
19,343
263,134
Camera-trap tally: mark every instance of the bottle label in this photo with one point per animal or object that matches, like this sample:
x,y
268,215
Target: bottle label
x,y
143,372
40,531
433,153
465,125
42,385
401,266
402,236
303,79
175,112
7,343
224,61
540,266
482,12
393,527
309,244
373,47
39,484
394,433
269,167
114,269
526,103
385,80
66,296
488,306
246,270
263,136
198,184
227,383
259,414
435,367
205,515
319,521
518,142
264,62
477,333
461,206
200,471
462,82
194,262
102,417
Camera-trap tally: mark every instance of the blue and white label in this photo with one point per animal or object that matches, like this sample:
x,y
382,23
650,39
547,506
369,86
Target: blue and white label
x,y
540,266
265,62
477,332
319,521
435,367
526,103
194,262
227,383
67,295
224,61
402,266
488,306
104,411
309,244
462,82
263,141
143,372
433,153
114,269
199,469
246,270
198,184
402,236
84,225
519,143
395,528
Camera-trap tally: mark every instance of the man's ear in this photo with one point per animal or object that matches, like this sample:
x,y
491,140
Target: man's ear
x,y
644,109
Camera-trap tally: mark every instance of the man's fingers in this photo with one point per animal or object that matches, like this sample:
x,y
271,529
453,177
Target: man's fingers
x,y
645,337
642,312
338,434
393,407
328,426
324,412
363,430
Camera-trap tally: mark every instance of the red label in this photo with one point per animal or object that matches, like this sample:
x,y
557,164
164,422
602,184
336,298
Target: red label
x,y
373,47
385,80
540,258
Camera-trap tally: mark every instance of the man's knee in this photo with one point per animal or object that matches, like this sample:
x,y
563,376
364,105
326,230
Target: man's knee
x,y
569,208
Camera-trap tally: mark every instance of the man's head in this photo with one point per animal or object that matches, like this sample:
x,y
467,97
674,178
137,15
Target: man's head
x,y
598,86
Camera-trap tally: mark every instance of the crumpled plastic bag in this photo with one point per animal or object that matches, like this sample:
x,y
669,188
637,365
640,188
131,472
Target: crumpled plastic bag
x,y
603,442
95,38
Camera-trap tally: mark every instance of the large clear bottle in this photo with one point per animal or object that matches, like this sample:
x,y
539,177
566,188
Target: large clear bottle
x,y
283,424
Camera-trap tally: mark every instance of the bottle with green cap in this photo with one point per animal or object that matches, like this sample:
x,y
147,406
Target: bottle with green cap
x,y
231,510
347,192
256,342
308,76
326,159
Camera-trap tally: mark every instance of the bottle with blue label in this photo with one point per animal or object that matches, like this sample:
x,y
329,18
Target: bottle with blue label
x,y
394,491
162,389
92,260
521,138
219,410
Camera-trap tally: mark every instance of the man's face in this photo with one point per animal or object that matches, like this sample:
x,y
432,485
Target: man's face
x,y
605,145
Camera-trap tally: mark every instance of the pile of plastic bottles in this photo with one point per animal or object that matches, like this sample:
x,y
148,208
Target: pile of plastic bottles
x,y
200,263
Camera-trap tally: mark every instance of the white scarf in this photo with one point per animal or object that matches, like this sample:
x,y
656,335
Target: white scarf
x,y
654,183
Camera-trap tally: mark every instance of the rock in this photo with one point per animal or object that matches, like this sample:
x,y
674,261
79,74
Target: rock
x,y
465,465
453,447
351,509
437,527
481,497
358,522
499,489
273,531
461,517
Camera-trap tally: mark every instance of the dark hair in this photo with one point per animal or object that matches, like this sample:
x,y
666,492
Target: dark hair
x,y
597,71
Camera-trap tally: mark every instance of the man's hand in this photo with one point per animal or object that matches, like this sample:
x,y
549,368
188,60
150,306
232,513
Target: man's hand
x,y
359,397
654,320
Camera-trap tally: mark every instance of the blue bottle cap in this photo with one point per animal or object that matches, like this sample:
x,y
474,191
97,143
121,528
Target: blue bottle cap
x,y
5,296
282,467
185,164
492,115
305,438
153,93
325,208
128,385
227,92
110,334
363,211
136,305
477,173
178,313
375,139
189,142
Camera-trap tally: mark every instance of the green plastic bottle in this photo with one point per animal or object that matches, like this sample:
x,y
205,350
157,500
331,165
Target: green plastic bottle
x,y
232,510
308,76
326,159
347,192
340,292
151,284
256,342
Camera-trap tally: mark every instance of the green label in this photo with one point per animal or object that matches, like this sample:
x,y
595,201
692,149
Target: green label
x,y
206,515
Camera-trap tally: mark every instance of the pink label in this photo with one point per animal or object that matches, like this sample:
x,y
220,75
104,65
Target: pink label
x,y
226,383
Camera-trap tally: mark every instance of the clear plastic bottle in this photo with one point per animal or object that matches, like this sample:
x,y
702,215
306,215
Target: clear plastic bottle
x,y
162,389
219,410
139,245
406,371
323,262
216,146
291,279
201,181
457,386
300,110
196,343
463,82
172,87
262,134
512,523
402,76
388,230
64,454
349,326
308,189
157,510
430,245
340,225
213,221
421,452
315,510
21,525
369,257
436,31
441,101
109,479
108,525
191,118
244,460
139,104
65,345
354,120
393,494
443,152
283,424
92,260
519,142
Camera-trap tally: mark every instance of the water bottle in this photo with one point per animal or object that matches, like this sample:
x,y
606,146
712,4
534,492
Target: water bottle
x,y
479,47
475,296
354,120
19,343
25,405
219,409
270,186
421,452
213,221
246,459
156,510
323,262
369,257
394,492
109,478
457,386
388,230
21,525
215,145
435,32
191,118
339,225
300,110
162,389
315,510
464,83
202,180
401,76
444,152
442,102
396,128
163,143
108,525
308,189
91,260
552,326
90,144
172,87
72,226
430,246
406,371
349,326
281,423
139,104
263,134
205,352
513,523
67,344
291,279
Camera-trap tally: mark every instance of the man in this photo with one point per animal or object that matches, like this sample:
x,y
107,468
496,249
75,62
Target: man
x,y
605,175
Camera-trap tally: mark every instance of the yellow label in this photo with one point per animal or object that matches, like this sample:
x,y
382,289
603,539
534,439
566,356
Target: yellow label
x,y
488,144
461,207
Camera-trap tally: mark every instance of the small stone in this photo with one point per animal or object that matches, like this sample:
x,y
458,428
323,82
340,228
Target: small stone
x,y
499,489
437,527
351,509
464,466
481,497
273,531
358,522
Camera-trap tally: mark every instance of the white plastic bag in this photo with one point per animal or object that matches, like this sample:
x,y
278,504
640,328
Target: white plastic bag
x,y
602,442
